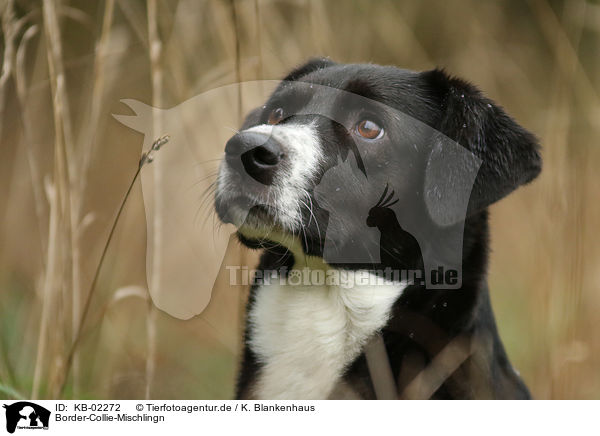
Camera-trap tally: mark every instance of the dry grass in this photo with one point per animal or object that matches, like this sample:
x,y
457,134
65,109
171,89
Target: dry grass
x,y
65,164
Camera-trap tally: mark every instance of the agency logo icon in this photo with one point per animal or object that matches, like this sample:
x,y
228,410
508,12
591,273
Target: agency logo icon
x,y
26,415
402,205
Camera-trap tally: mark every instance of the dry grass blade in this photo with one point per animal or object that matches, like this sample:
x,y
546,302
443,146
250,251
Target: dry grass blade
x,y
82,168
10,392
429,380
60,230
86,307
48,288
156,47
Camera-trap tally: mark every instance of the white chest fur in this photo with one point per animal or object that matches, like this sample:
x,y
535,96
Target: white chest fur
x,y
305,336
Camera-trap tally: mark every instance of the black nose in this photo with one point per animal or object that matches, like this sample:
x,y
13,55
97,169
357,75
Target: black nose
x,y
260,155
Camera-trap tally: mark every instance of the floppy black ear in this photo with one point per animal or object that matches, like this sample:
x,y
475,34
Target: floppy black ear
x,y
508,154
311,65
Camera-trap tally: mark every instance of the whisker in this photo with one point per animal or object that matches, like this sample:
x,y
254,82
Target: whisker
x,y
236,131
312,213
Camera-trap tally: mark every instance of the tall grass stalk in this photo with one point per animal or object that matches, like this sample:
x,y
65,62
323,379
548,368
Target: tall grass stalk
x,y
47,289
28,127
155,52
78,191
9,33
61,233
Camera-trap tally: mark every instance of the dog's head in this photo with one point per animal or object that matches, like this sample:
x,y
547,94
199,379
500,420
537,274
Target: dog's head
x,y
337,146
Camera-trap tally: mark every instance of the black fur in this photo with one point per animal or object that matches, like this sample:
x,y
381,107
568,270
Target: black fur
x,y
425,321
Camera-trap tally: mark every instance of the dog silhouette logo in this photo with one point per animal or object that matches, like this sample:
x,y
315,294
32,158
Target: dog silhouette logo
x,y
26,415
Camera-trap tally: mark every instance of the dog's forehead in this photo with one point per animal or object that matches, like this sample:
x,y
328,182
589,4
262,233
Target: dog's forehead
x,y
396,88
342,76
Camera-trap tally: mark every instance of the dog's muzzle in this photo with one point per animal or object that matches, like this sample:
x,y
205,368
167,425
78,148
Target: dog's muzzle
x,y
268,168
258,154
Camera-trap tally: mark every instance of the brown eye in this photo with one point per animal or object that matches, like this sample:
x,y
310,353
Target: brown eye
x,y
369,129
275,116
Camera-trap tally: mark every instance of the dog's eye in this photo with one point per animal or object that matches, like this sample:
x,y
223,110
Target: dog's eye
x,y
275,116
369,129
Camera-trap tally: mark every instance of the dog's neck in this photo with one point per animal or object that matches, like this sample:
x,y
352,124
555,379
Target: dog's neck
x,y
307,335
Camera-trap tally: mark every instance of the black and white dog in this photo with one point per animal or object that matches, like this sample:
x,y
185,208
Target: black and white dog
x,y
360,172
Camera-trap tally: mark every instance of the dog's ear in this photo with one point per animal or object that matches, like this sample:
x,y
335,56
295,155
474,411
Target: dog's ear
x,y
310,66
496,154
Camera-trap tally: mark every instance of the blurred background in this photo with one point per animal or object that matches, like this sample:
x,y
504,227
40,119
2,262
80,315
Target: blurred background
x,y
66,163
